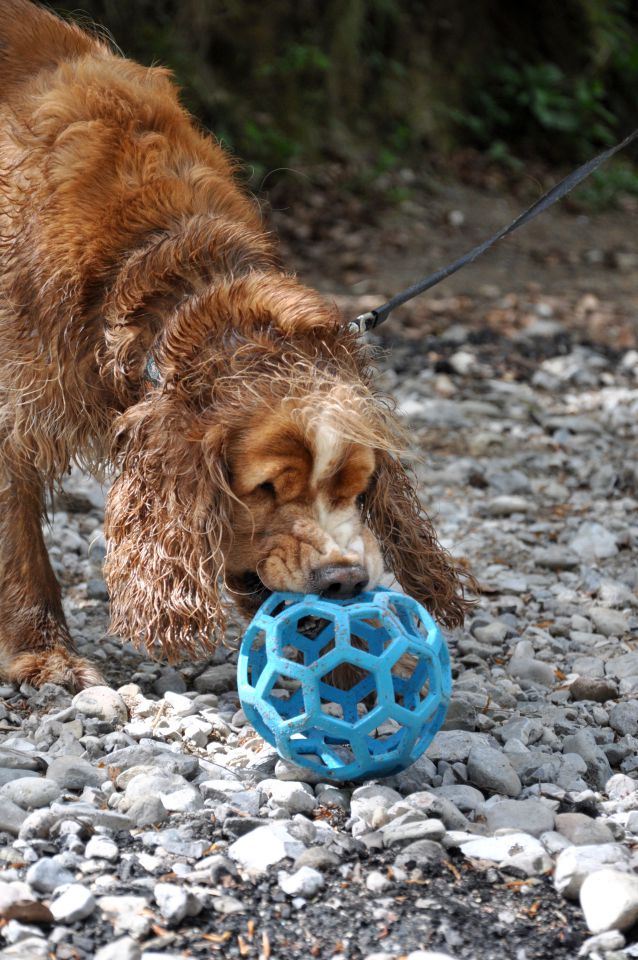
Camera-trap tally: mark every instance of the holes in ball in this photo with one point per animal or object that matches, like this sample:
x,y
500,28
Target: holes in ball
x,y
410,680
348,677
331,708
386,737
371,636
256,658
286,696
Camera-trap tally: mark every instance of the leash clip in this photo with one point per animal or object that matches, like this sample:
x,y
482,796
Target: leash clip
x,y
363,323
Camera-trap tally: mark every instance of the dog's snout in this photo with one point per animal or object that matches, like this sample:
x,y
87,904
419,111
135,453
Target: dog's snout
x,y
339,582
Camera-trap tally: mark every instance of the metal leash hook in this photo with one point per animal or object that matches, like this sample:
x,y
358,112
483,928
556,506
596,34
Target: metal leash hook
x,y
368,321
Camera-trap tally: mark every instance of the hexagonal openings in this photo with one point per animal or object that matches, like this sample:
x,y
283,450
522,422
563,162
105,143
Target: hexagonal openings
x,y
410,620
370,635
322,752
285,695
256,657
411,680
385,738
307,638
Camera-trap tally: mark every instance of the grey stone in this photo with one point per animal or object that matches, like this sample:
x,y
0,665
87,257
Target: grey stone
x,y
419,854
468,799
584,744
624,666
11,816
455,745
489,769
396,833
10,774
31,793
318,858
494,634
611,623
529,816
217,679
529,668
623,718
47,874
506,505
583,830
73,773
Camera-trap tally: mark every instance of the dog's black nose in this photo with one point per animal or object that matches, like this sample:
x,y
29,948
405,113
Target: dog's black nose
x,y
336,582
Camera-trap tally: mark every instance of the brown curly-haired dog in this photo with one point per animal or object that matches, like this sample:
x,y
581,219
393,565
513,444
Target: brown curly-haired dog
x,y
253,456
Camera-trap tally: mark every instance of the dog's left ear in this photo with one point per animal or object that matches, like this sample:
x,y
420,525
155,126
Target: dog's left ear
x,y
165,521
410,546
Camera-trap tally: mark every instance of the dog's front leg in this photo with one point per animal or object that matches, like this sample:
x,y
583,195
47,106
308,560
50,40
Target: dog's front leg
x,y
35,644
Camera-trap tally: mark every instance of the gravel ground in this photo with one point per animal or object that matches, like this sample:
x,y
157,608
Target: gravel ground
x,y
153,822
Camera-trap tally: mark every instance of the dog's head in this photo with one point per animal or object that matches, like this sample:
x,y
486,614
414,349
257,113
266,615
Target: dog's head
x,y
263,462
299,479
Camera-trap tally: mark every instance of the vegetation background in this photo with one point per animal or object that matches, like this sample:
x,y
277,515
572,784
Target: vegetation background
x,y
376,84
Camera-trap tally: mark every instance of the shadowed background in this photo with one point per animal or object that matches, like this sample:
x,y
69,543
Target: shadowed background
x,y
374,84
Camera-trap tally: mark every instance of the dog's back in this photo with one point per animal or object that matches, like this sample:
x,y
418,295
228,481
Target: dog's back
x,y
31,40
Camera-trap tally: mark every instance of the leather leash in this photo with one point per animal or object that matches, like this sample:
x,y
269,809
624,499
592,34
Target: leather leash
x,y
371,319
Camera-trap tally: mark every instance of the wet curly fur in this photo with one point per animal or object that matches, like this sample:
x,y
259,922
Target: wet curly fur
x,y
258,459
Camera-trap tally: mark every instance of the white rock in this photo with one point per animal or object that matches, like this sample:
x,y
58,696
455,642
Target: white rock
x,y
187,799
592,542
31,948
609,900
101,847
304,882
296,797
576,863
377,882
123,949
180,705
620,786
101,702
611,623
366,801
502,847
265,846
75,903
175,902
127,914
602,943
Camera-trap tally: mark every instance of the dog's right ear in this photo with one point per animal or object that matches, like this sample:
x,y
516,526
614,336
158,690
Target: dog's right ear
x,y
165,521
410,546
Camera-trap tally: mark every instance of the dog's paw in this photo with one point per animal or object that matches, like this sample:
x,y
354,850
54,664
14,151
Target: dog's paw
x,y
55,665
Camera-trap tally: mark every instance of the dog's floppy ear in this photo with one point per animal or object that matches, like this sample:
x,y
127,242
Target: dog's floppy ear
x,y
410,546
165,520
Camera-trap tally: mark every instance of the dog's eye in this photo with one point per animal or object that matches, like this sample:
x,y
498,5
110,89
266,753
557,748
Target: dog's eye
x,y
361,499
268,488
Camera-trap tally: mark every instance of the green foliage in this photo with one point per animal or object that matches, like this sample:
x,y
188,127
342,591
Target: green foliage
x,y
381,84
528,104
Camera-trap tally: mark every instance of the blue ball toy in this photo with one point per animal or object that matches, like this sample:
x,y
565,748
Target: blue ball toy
x,y
348,688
